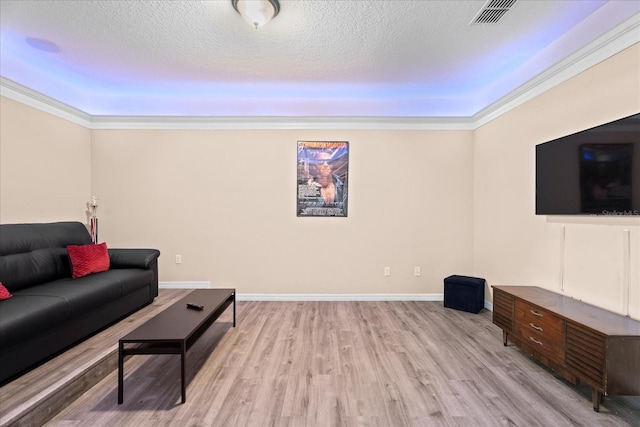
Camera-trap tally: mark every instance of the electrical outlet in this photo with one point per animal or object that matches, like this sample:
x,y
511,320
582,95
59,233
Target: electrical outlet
x,y
417,271
178,259
387,271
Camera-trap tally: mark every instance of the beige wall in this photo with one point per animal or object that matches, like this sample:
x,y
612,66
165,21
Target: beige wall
x,y
587,258
45,166
225,201
451,202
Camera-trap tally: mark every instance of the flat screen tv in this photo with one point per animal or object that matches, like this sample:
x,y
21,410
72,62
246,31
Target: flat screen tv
x,y
592,172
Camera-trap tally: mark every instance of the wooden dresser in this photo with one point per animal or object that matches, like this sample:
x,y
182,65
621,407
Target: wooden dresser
x,y
581,342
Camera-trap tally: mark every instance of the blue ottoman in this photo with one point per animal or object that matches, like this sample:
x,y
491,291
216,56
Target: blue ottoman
x,y
464,293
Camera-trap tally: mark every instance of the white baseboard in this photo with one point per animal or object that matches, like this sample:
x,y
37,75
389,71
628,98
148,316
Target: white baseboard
x,y
347,297
315,297
339,297
184,285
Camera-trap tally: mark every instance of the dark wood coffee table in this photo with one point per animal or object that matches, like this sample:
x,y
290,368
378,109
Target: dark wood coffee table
x,y
174,330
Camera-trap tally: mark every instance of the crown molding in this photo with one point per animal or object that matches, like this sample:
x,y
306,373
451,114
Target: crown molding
x,y
39,101
623,36
281,123
615,41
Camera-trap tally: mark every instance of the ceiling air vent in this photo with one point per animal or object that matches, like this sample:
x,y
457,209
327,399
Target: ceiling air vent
x,y
493,11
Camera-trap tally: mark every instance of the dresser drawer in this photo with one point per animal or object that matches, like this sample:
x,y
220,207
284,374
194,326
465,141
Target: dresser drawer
x,y
540,329
537,318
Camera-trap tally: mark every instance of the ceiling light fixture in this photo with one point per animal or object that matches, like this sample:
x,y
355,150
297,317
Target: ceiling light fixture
x,y
257,12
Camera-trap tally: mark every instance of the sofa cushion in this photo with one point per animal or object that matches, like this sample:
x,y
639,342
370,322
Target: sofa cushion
x,y
80,295
27,316
87,293
130,279
4,293
31,254
88,259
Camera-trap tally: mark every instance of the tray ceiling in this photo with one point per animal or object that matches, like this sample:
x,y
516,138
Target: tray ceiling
x,y
317,58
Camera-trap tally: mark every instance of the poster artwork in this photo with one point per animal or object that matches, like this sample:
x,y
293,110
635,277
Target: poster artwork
x,y
323,176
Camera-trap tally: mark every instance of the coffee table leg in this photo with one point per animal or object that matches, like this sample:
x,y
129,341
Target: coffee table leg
x,y
182,357
234,309
120,372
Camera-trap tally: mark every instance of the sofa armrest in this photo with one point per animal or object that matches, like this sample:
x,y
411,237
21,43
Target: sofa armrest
x,y
133,258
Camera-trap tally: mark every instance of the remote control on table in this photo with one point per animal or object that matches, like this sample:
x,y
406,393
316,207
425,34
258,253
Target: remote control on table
x,y
194,306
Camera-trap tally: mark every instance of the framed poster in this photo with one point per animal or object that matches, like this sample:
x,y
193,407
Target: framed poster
x,y
323,178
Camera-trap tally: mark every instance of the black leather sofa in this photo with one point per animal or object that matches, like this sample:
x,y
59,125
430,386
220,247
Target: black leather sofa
x,y
49,310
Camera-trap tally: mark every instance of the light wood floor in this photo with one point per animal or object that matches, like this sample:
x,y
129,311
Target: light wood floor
x,y
345,364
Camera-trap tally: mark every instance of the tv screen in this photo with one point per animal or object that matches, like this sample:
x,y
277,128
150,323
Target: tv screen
x,y
593,172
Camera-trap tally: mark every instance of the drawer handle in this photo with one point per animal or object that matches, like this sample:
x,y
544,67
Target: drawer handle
x,y
535,313
535,340
537,328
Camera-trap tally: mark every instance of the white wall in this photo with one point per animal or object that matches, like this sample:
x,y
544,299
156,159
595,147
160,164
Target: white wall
x,y
45,166
225,201
593,259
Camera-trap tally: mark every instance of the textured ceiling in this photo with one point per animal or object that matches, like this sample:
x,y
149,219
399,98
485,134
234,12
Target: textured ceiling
x,y
396,58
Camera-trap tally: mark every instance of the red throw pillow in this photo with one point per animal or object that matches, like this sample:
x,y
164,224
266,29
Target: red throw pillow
x,y
87,259
4,292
